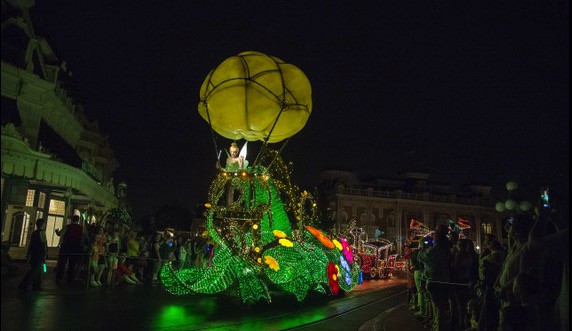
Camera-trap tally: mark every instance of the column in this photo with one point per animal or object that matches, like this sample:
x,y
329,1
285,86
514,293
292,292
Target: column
x,y
478,229
399,221
6,192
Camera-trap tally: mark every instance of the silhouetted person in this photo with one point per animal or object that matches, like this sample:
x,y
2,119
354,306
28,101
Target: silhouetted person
x,y
513,314
36,256
437,266
70,249
465,270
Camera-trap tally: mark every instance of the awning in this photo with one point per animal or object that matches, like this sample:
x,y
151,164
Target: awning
x,y
19,160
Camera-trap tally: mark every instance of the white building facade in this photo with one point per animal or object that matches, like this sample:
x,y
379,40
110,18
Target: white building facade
x,y
55,162
389,205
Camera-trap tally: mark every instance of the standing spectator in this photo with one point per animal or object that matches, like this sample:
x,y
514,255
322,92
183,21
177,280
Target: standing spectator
x,y
465,270
143,257
210,252
490,266
189,261
71,249
167,250
181,252
417,277
132,250
156,258
98,257
411,289
513,315
112,249
437,264
543,282
36,256
192,254
200,247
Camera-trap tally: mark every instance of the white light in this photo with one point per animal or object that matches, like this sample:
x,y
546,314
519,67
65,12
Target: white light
x,y
500,207
510,204
511,186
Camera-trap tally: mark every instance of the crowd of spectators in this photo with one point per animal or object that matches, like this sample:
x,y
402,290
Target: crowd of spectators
x,y
521,285
108,255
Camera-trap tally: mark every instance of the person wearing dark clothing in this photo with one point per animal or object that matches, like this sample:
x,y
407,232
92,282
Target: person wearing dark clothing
x,y
71,250
465,270
36,256
437,266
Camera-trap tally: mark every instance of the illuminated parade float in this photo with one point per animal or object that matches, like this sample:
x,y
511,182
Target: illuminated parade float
x,y
259,223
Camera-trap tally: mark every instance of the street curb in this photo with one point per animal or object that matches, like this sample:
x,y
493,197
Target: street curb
x,y
379,324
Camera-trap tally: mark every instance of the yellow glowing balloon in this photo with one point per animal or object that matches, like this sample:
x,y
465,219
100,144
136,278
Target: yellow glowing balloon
x,y
248,93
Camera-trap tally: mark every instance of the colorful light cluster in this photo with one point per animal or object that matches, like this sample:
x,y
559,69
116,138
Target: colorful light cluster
x,y
256,248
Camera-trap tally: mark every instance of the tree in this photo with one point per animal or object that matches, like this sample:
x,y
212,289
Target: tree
x,y
173,216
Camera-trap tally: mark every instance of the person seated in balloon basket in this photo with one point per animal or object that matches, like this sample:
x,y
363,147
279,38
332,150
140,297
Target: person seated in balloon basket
x,y
234,162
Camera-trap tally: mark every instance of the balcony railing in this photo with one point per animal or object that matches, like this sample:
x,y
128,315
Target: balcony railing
x,y
369,192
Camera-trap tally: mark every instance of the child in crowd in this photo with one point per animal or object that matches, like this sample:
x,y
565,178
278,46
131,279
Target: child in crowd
x,y
113,245
123,273
97,261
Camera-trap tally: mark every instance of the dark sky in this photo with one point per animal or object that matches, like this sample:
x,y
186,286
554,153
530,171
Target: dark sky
x,y
471,93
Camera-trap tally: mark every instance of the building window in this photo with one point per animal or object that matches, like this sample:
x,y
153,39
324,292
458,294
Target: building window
x,y
30,198
487,228
55,221
19,230
42,200
57,207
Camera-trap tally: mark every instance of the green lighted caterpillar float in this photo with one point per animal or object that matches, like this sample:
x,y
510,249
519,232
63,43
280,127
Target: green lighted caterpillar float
x,y
260,223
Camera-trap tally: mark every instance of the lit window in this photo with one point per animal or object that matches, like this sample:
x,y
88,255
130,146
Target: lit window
x,y
53,223
487,228
57,207
30,198
42,200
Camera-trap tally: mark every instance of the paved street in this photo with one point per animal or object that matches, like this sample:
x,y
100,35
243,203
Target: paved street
x,y
142,307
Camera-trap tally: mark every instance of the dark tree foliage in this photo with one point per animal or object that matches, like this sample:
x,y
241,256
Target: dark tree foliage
x,y
173,216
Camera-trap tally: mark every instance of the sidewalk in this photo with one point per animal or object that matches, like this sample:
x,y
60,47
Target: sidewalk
x,y
398,318
11,282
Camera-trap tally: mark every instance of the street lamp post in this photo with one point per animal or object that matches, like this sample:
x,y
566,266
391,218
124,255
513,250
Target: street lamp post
x,y
513,206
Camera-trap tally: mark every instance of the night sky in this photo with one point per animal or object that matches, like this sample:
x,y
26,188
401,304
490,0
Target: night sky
x,y
472,94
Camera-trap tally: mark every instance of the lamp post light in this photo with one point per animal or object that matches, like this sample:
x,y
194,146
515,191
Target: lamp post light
x,y
511,204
